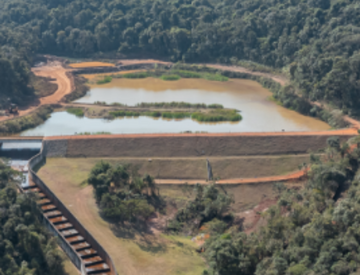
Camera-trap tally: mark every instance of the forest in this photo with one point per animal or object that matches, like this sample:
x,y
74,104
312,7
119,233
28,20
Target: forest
x,y
123,194
315,41
310,231
26,247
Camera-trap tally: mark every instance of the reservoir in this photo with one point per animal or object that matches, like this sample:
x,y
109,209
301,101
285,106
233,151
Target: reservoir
x,y
259,113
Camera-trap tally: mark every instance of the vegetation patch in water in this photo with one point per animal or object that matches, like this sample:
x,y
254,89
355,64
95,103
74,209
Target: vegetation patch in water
x,y
122,113
175,115
135,75
170,77
106,79
178,105
79,112
212,116
227,115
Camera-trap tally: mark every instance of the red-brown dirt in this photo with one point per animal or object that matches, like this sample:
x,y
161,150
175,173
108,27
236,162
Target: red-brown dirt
x,y
55,71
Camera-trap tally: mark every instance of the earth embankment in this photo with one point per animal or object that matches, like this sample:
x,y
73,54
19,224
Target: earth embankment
x,y
191,145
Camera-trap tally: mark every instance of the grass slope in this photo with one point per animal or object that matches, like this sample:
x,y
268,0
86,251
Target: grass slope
x,y
134,252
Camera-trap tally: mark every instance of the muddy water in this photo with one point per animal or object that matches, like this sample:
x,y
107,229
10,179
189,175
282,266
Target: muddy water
x,y
259,113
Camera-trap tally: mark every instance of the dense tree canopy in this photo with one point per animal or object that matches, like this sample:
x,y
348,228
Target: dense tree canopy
x,y
123,195
317,40
308,232
26,248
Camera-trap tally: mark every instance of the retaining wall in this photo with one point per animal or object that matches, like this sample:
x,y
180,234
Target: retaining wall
x,y
190,145
71,253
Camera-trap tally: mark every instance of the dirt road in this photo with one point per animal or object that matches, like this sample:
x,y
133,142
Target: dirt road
x,y
277,78
290,177
57,72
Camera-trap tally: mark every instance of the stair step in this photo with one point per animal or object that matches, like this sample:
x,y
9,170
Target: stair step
x,y
29,186
81,246
47,208
69,233
92,261
33,189
64,226
98,268
53,214
75,239
87,253
44,201
59,220
41,195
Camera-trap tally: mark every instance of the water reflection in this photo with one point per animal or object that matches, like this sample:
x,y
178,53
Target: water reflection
x,y
259,114
63,123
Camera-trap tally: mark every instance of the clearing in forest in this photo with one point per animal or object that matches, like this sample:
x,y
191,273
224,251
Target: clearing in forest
x,y
90,64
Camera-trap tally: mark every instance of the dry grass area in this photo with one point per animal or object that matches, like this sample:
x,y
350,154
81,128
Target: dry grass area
x,y
90,64
245,196
137,251
188,168
133,251
70,269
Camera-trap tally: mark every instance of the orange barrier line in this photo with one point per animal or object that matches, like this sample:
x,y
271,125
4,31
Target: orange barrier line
x,y
293,176
349,131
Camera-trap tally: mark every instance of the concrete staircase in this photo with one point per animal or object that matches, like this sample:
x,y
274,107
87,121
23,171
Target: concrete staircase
x,y
93,263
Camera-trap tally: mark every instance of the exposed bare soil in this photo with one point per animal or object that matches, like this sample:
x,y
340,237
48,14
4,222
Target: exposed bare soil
x,y
61,77
90,64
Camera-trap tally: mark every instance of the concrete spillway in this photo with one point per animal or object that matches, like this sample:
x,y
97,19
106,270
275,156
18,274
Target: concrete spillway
x,y
20,149
18,152
83,250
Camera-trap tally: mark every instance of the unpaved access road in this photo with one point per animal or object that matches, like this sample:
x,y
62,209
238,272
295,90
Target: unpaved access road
x,y
65,84
290,177
61,77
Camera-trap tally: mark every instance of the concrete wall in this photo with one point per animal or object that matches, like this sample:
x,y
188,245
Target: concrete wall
x,y
56,148
185,146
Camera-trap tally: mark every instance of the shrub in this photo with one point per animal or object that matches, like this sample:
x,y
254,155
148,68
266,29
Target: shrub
x,y
176,115
136,75
170,77
215,106
214,117
122,113
215,77
76,111
106,79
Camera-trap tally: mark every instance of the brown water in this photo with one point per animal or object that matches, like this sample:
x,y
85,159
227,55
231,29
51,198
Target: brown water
x,y
259,113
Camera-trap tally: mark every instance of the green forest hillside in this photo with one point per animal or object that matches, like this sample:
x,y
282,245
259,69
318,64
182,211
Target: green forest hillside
x,y
318,41
26,247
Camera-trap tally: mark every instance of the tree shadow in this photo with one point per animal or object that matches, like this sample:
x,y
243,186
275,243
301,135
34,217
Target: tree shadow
x,y
151,246
123,231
